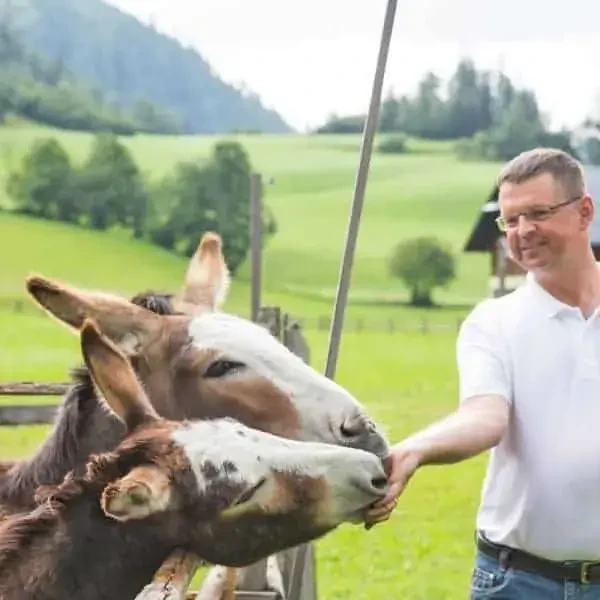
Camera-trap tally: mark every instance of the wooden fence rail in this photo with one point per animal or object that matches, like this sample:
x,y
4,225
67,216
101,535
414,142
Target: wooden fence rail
x,y
420,323
30,414
33,388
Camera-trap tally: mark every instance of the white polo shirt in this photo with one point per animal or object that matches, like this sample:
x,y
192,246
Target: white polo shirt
x,y
542,488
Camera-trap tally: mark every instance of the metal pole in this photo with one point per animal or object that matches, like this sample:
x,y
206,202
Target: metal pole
x,y
255,242
359,191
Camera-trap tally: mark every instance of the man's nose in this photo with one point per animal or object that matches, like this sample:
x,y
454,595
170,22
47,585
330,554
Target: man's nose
x,y
524,225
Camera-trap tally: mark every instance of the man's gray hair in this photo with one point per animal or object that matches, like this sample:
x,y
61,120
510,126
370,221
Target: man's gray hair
x,y
565,169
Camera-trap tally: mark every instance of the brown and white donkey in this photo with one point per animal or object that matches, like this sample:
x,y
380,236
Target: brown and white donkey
x,y
227,493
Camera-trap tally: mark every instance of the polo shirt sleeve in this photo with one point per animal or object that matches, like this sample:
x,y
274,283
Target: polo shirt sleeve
x,y
481,354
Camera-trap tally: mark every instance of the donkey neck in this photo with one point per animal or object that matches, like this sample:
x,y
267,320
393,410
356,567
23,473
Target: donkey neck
x,y
83,426
84,555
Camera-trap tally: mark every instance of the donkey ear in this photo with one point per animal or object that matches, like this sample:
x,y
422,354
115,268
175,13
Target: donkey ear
x,y
207,279
113,375
122,321
145,490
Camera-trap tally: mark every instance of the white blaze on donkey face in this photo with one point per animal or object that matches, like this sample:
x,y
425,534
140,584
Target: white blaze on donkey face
x,y
328,413
276,474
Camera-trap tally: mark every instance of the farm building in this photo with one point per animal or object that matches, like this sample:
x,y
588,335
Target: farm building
x,y
505,274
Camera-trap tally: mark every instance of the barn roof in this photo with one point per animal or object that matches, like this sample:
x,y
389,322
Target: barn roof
x,y
485,233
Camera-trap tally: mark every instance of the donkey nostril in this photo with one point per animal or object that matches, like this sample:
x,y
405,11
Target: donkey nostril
x,y
379,483
348,432
352,427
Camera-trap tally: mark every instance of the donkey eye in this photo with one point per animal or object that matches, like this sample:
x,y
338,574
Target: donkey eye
x,y
222,367
246,495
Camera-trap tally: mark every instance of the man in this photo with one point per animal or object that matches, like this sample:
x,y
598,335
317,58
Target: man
x,y
529,380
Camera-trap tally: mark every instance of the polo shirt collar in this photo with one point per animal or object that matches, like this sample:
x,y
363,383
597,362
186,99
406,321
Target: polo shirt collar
x,y
551,305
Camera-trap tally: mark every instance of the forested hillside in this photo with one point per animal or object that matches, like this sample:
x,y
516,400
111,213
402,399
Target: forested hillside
x,y
42,90
485,112
130,63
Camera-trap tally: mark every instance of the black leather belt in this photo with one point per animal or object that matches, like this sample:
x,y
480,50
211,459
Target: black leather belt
x,y
572,570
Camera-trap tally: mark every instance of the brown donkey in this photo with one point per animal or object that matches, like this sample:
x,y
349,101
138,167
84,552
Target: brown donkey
x,y
227,493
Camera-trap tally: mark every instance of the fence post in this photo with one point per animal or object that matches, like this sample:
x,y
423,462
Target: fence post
x,y
172,579
300,572
255,243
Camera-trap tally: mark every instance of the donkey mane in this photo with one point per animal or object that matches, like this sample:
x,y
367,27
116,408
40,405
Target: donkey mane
x,y
60,447
101,469
18,530
160,303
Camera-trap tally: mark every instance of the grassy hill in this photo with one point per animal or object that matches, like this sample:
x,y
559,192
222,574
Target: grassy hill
x,y
426,191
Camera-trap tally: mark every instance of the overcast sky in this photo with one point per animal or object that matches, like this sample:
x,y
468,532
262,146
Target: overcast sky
x,y
312,58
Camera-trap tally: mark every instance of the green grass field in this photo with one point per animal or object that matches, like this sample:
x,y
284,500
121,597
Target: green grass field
x,y
426,191
406,378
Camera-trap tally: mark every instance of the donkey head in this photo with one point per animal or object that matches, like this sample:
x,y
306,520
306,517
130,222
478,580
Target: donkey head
x,y
226,492
203,363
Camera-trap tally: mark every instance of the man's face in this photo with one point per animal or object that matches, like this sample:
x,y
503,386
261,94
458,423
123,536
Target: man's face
x,y
540,234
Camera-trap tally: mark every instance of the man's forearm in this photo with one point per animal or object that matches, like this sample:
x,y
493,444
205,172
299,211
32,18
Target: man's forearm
x,y
474,428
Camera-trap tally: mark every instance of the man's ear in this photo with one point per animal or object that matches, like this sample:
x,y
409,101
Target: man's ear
x,y
145,490
587,210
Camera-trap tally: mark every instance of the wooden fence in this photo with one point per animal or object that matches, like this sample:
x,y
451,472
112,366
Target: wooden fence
x,y
422,323
290,575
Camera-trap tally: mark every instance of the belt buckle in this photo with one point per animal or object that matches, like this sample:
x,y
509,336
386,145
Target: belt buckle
x,y
583,572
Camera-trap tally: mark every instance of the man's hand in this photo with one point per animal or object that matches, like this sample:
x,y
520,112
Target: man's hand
x,y
476,426
401,465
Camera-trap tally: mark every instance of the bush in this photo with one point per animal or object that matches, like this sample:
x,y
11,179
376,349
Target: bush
x,y
349,124
423,263
393,144
44,185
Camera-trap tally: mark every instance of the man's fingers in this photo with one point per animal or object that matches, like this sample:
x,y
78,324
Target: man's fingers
x,y
385,501
394,491
377,513
381,510
391,497
380,519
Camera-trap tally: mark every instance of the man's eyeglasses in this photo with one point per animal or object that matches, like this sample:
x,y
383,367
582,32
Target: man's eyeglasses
x,y
533,216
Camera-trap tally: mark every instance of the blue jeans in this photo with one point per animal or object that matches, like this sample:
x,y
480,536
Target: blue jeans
x,y
490,581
